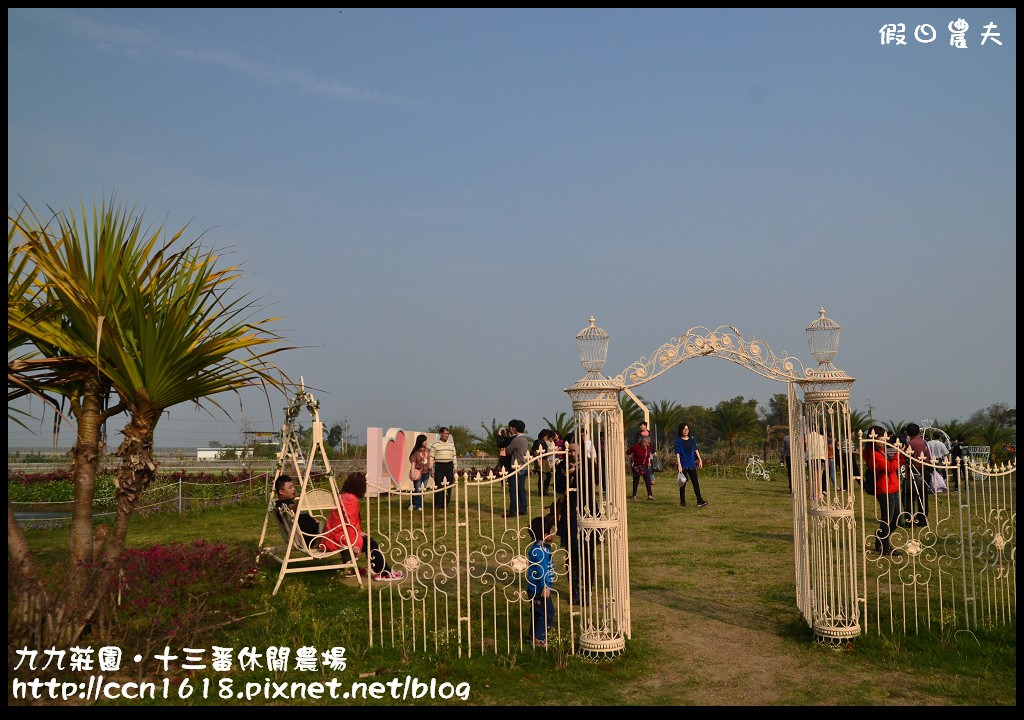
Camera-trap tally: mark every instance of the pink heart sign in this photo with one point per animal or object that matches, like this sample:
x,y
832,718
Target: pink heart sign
x,y
394,458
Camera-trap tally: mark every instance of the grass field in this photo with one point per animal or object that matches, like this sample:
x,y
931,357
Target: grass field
x,y
714,622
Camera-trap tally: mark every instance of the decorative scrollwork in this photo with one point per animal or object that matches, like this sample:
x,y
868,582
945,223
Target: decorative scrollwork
x,y
957,568
913,548
725,342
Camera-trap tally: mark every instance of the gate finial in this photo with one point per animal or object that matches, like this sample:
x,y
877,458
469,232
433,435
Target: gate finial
x,y
823,340
592,343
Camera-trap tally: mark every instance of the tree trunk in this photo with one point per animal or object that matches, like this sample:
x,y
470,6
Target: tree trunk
x,y
60,619
136,473
20,562
85,460
28,599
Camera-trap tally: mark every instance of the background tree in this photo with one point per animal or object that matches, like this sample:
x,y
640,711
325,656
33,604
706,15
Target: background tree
x,y
997,436
488,442
894,428
859,421
303,434
699,418
955,428
734,418
335,435
666,416
247,455
563,423
462,436
777,410
632,416
998,413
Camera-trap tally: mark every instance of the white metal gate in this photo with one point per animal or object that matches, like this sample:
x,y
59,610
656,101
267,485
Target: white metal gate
x,y
800,532
465,560
956,567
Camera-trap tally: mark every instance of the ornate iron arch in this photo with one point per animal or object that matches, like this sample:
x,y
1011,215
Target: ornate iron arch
x,y
725,342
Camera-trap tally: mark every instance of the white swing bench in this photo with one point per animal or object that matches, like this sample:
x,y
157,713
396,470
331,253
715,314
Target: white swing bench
x,y
299,553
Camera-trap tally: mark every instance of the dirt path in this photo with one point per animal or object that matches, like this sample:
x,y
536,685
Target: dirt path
x,y
751,659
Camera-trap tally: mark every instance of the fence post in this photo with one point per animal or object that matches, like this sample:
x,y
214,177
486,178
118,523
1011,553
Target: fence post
x,y
179,494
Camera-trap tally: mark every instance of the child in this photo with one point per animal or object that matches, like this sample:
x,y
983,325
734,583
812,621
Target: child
x,y
540,576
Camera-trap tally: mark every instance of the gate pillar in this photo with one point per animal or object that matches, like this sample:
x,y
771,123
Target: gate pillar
x,y
602,591
830,490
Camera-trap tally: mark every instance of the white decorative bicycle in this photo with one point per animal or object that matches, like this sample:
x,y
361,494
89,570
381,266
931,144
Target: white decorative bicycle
x,y
756,469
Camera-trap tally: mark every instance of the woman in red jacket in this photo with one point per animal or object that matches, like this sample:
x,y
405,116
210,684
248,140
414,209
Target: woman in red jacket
x,y
884,468
353,490
640,456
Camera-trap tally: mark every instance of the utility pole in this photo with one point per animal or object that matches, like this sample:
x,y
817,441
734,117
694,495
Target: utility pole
x,y
344,436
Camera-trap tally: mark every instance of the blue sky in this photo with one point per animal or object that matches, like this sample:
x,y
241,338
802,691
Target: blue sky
x,y
436,201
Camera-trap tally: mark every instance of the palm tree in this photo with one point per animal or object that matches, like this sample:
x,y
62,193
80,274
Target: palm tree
x,y
894,428
955,429
777,412
563,424
733,418
135,317
859,421
632,414
62,321
665,417
996,436
21,358
488,442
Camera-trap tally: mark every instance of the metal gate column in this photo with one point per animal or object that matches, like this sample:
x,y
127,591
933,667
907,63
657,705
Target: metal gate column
x,y
830,490
604,617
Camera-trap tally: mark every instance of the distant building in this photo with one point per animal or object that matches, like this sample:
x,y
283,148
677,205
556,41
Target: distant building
x,y
218,453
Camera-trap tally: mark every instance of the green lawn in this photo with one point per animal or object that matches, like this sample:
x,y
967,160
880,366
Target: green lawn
x,y
714,623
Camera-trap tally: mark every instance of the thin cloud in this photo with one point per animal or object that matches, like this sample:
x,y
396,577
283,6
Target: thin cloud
x,y
138,43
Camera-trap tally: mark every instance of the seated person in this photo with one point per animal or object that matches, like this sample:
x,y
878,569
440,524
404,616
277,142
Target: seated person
x,y
284,486
339,534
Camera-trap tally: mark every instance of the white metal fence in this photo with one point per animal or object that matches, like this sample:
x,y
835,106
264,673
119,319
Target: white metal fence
x,y
954,563
465,559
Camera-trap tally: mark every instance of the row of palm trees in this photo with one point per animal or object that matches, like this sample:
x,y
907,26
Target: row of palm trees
x,y
740,422
733,420
106,317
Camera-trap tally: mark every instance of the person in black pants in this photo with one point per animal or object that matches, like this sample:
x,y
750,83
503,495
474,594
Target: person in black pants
x,y
960,456
284,486
567,511
545,442
688,459
443,461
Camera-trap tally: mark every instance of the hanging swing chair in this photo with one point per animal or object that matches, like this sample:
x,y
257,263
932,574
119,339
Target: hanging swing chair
x,y
305,551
